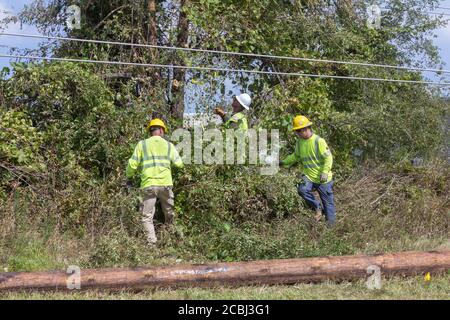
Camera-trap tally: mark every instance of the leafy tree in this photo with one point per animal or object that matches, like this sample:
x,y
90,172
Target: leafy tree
x,y
73,111
145,22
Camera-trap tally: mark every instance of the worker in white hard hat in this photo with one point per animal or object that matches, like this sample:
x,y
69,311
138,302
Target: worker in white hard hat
x,y
238,118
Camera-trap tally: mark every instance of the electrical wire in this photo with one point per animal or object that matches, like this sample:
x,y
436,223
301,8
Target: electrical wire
x,y
439,13
226,52
221,69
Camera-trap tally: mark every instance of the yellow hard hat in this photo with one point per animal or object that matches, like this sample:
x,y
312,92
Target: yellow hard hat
x,y
157,123
300,122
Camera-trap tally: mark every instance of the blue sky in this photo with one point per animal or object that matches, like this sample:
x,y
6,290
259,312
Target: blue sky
x,y
13,6
443,36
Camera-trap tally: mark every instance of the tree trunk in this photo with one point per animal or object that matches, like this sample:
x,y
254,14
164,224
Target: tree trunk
x,y
177,103
152,36
234,274
345,11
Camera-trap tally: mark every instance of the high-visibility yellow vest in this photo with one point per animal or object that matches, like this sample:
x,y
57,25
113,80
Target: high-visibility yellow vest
x,y
154,157
240,119
314,156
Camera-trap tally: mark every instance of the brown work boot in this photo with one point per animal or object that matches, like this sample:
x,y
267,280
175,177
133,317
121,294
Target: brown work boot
x,y
318,215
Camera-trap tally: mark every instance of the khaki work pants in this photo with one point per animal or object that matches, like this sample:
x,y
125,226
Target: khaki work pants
x,y
165,195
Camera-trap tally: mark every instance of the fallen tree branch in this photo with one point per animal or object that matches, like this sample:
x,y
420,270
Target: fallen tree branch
x,y
384,193
19,176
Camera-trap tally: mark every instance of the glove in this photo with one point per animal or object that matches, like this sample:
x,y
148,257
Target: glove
x,y
323,177
301,179
220,112
129,185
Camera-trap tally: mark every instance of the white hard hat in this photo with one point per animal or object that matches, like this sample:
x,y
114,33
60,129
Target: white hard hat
x,y
245,100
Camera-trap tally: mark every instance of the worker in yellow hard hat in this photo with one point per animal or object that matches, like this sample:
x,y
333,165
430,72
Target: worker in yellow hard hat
x,y
312,152
154,157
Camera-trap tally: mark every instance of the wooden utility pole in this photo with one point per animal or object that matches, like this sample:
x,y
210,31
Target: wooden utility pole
x,y
235,273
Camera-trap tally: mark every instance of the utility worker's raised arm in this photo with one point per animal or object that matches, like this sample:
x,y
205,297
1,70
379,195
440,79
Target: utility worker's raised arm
x,y
238,119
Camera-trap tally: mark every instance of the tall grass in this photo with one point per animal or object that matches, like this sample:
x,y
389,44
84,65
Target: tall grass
x,y
232,218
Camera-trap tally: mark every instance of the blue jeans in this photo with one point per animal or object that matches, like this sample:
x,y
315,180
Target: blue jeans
x,y
326,196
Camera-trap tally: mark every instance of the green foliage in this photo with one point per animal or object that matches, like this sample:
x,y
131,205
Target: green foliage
x,y
223,212
115,249
380,125
74,114
19,141
234,214
70,106
73,132
30,255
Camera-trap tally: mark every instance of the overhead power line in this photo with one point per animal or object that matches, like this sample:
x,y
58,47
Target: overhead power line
x,y
227,52
439,13
222,69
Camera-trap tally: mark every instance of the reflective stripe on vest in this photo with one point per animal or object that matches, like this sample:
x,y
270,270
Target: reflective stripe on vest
x,y
315,156
156,164
144,149
311,165
236,118
169,146
149,160
316,145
